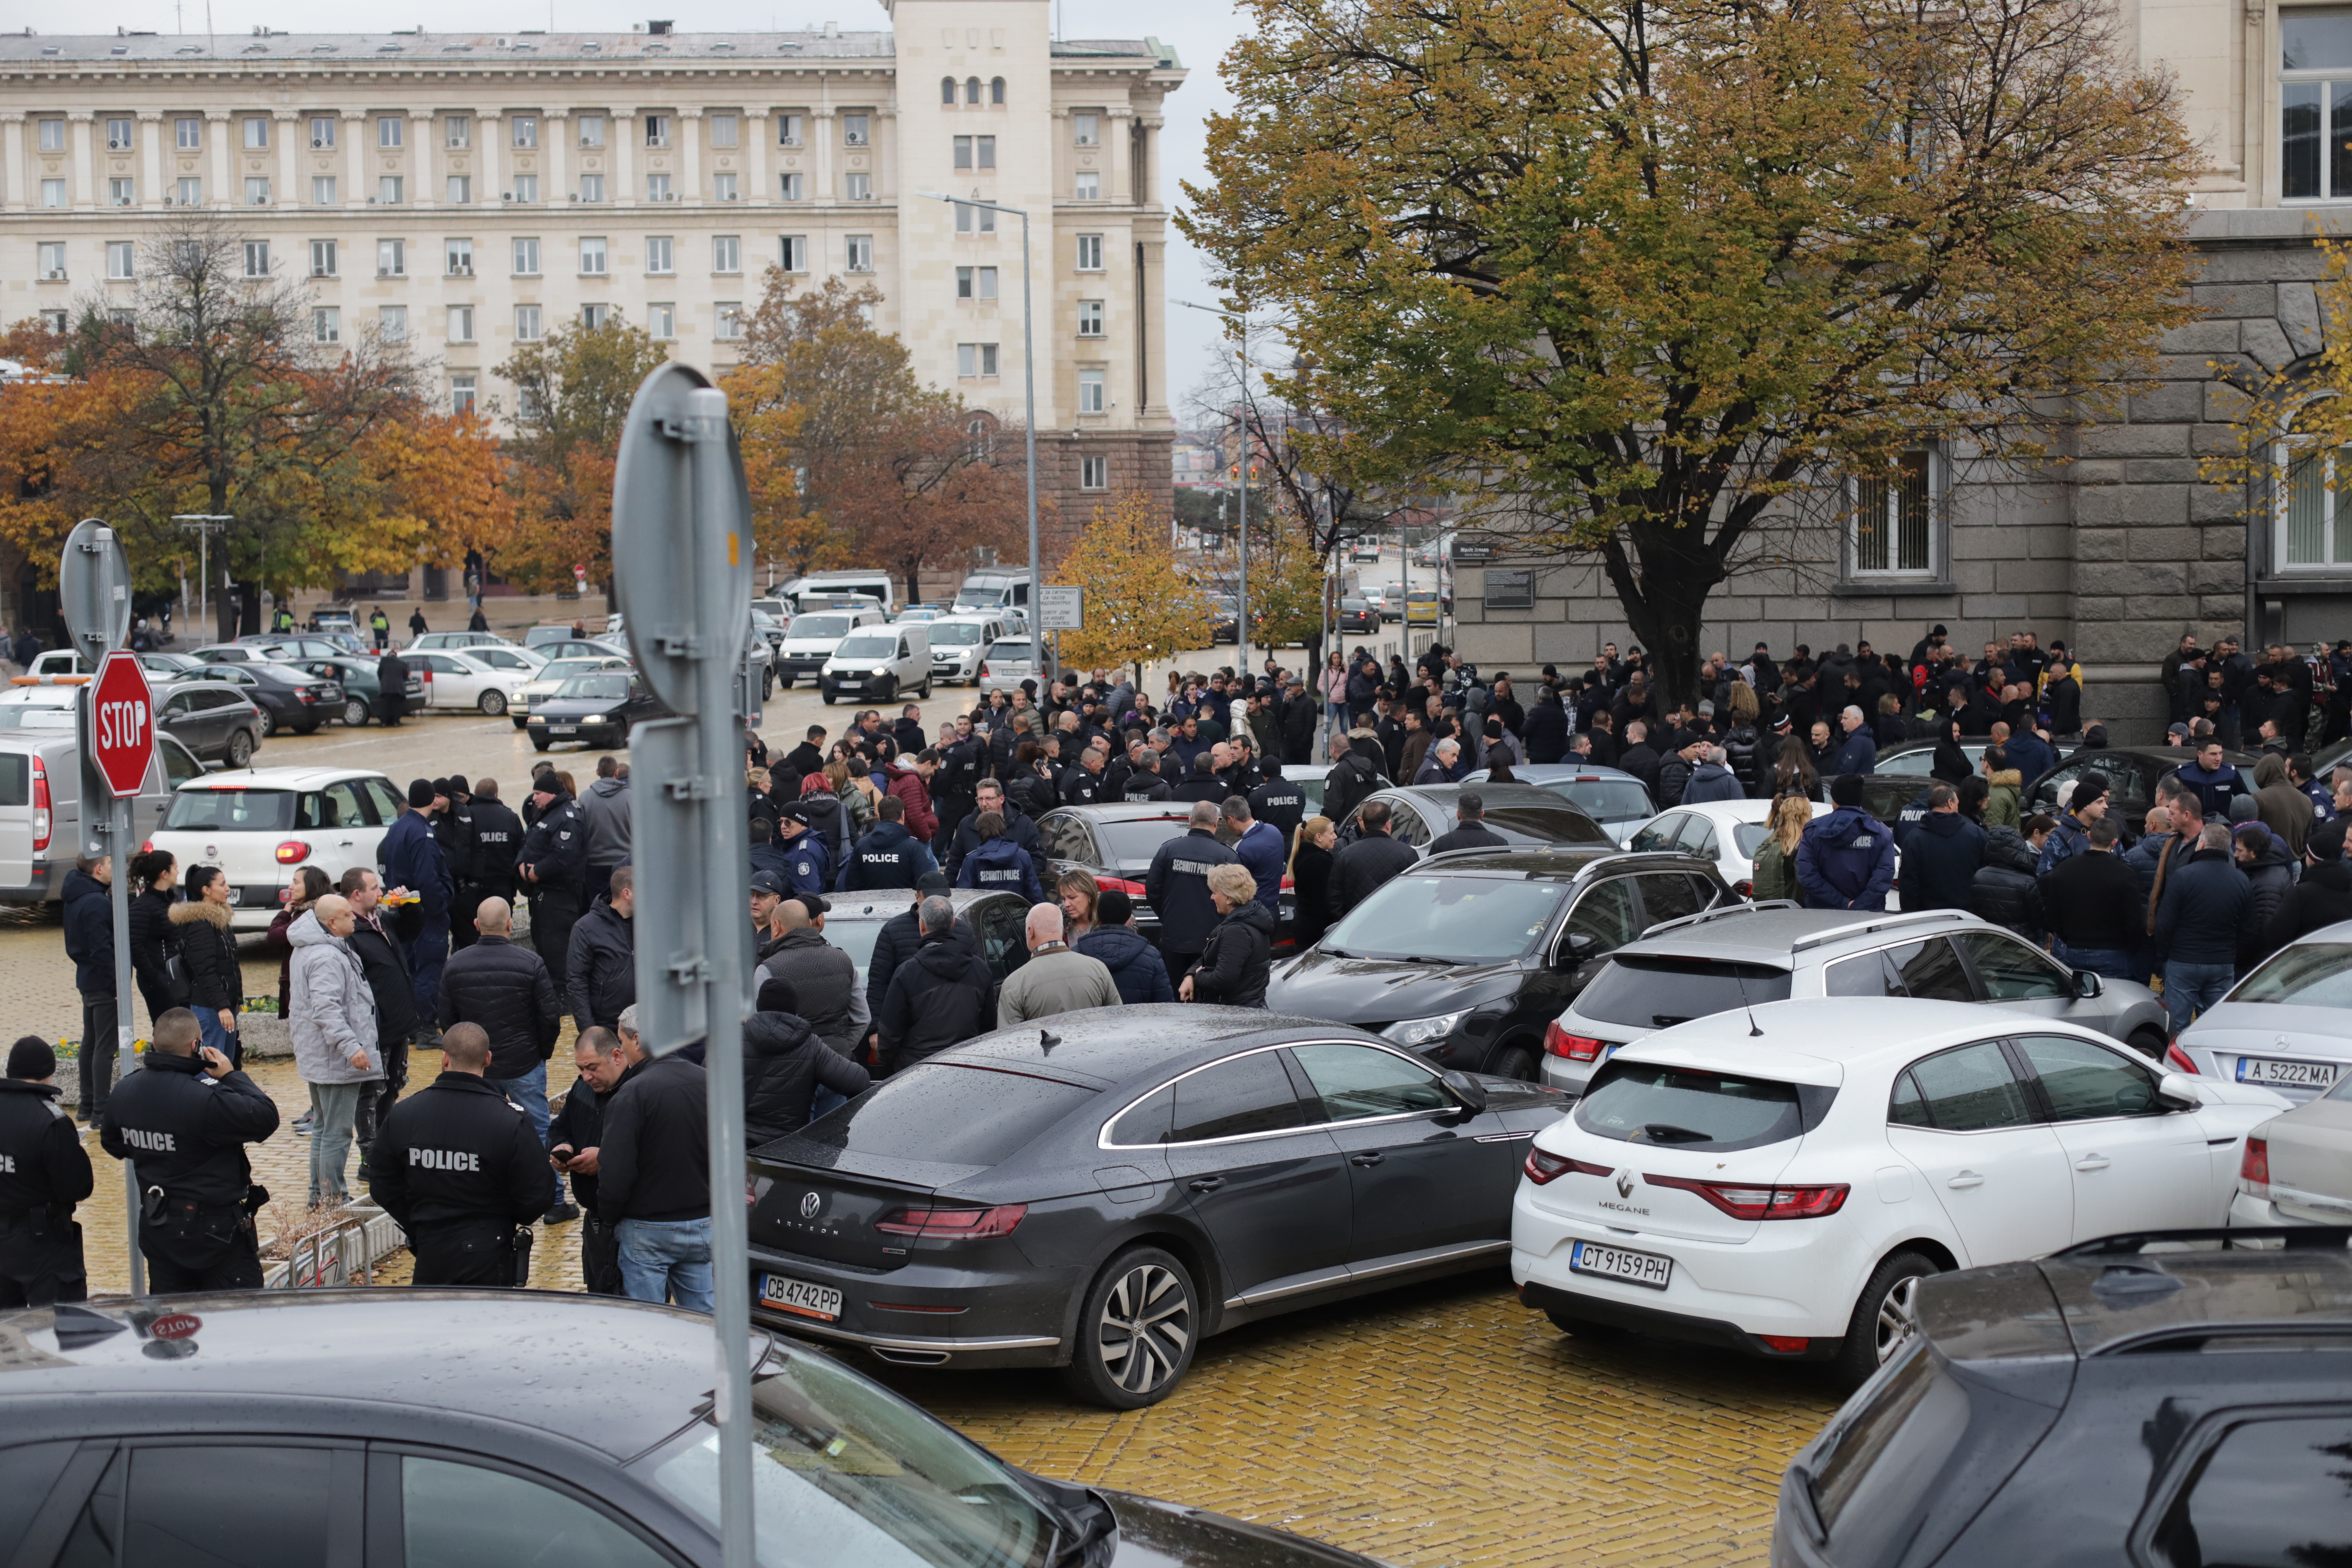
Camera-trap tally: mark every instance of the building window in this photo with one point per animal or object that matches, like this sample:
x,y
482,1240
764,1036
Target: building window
x,y
975,151
526,257
121,193
791,188
257,258
1892,518
54,322
1090,317
997,92
461,395
946,90
389,129
731,320
970,218
392,323
1089,187
461,190
53,193
656,187
118,258
726,253
2314,103
188,133
527,328
861,252
526,187
658,254
975,358
327,324
388,190
1090,253
457,258
858,188
322,258
2313,525
322,190
793,252
724,130
975,282
592,130
256,132
1090,392
526,402
591,187
461,323
594,316
656,130
323,134
118,135
53,135
392,258
662,322
788,129
256,190
457,131
1086,128
853,131
723,187
1094,473
52,256
592,257
972,90
526,130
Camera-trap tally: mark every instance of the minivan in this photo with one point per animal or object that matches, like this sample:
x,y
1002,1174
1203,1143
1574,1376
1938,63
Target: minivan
x,y
876,585
958,645
810,640
40,797
878,663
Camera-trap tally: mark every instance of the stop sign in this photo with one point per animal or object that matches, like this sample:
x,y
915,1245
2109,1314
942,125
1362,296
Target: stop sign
x,y
121,723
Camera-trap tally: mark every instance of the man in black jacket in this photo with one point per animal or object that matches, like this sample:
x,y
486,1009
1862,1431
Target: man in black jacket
x,y
392,687
2322,897
888,856
1019,827
601,970
653,1176
896,942
1942,854
1177,887
941,996
555,866
508,991
380,958
460,1166
1353,779
1370,860
1470,830
182,1120
575,1137
44,1172
499,836
2092,901
789,1074
89,908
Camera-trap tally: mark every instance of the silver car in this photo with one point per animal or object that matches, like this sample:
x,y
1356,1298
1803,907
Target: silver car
x,y
1738,956
1009,662
2286,1027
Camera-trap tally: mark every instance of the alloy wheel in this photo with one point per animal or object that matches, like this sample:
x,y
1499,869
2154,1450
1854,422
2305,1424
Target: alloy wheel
x,y
1898,1315
1145,1329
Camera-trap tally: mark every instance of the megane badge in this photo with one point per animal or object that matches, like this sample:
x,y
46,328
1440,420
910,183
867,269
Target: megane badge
x,y
810,1203
1624,1183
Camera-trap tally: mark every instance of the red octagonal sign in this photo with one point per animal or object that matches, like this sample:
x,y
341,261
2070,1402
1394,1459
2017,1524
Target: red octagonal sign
x,y
121,723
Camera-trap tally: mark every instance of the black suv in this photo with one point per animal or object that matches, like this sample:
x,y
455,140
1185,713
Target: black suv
x,y
1468,956
2168,1400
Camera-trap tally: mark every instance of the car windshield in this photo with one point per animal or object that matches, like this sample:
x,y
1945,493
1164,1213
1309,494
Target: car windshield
x,y
230,811
947,1113
605,687
1659,993
1610,800
869,645
1133,844
2307,975
954,634
565,668
35,716
1688,1108
1545,824
844,1474
1449,920
1012,650
819,626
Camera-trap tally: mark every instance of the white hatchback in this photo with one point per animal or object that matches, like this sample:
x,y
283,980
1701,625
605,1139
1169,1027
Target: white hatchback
x,y
262,825
1779,1180
484,679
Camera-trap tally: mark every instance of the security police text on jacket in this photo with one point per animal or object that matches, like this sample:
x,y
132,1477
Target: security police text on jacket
x,y
1019,827
1000,865
182,1120
888,856
460,1165
1177,883
44,1172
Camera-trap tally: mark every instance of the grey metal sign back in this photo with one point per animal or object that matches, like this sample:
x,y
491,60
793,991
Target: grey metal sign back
x,y
655,507
94,582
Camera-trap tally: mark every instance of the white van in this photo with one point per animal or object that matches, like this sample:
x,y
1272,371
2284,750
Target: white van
x,y
811,639
992,590
821,584
878,664
40,792
958,645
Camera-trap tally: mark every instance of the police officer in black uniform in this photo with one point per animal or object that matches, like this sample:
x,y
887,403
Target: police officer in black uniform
x,y
459,1166
888,856
182,1120
553,866
1281,802
44,1172
498,837
453,829
957,784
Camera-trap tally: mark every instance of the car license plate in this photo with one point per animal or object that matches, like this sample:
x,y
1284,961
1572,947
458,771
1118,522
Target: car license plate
x,y
800,1298
563,729
2272,1073
1616,1263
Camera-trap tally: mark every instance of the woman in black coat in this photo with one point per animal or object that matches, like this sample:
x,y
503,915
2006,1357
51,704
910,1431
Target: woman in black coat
x,y
208,952
1310,880
153,941
1951,763
1233,967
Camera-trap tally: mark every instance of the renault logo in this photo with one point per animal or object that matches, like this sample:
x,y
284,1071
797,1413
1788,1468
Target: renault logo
x,y
1624,1183
810,1203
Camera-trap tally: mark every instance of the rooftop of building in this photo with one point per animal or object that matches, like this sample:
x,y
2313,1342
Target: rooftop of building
x,y
127,48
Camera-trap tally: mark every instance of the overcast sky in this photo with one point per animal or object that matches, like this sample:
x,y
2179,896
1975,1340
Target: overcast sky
x,y
1200,31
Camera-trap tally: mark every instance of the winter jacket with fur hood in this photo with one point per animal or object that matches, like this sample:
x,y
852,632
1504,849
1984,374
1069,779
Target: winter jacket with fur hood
x,y
208,952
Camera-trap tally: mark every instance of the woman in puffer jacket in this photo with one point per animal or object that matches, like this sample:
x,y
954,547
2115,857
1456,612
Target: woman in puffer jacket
x,y
785,1063
208,953
1233,967
333,1023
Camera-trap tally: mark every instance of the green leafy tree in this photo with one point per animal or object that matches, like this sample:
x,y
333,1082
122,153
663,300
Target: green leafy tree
x,y
573,391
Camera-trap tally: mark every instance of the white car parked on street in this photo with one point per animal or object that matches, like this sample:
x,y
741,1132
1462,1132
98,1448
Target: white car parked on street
x,y
484,679
259,825
2287,1026
1778,1180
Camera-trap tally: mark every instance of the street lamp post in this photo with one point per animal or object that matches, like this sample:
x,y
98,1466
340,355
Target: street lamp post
x,y
1029,431
1241,477
204,525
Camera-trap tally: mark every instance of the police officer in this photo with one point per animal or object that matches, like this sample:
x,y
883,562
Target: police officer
x,y
44,1172
888,856
497,842
963,754
453,829
555,866
808,864
182,1120
1281,803
460,1167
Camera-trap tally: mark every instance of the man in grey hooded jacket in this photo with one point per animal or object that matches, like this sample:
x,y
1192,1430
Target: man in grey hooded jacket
x,y
604,808
332,1010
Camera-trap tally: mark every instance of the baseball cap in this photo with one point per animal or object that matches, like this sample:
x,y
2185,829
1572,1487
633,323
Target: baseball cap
x,y
768,882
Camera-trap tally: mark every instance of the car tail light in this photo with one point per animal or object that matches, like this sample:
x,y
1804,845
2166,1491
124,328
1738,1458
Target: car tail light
x,y
1558,1042
293,852
953,1225
2254,1169
1744,888
1121,885
1742,1201
1542,1167
983,667
2177,1059
1288,882
44,817
1788,1344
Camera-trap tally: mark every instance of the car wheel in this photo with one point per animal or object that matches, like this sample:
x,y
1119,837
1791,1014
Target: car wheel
x,y
1884,1317
268,723
784,682
539,741
924,691
2150,1043
1583,1328
493,703
767,686
521,723
1516,1062
355,713
1137,1329
889,688
240,748
828,699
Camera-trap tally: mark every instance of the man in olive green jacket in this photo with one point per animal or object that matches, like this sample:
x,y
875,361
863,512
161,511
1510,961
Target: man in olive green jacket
x,y
2002,808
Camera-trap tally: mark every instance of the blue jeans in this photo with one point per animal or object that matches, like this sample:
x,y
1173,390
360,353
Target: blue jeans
x,y
2109,964
225,1041
825,1100
334,1114
667,1260
2192,988
529,1091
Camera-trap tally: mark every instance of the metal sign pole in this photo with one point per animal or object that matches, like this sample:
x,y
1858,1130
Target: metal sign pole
x,y
126,1055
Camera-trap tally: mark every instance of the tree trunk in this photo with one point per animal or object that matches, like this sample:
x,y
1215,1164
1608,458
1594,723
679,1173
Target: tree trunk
x,y
1665,609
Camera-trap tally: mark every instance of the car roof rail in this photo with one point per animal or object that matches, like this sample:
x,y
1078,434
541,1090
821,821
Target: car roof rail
x,y
1894,922
1706,915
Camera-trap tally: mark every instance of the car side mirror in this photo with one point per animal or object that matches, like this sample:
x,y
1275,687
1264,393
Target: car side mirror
x,y
2178,1091
1579,945
2087,983
1467,1091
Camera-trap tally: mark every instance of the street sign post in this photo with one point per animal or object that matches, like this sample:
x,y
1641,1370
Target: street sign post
x,y
682,567
1061,609
117,725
